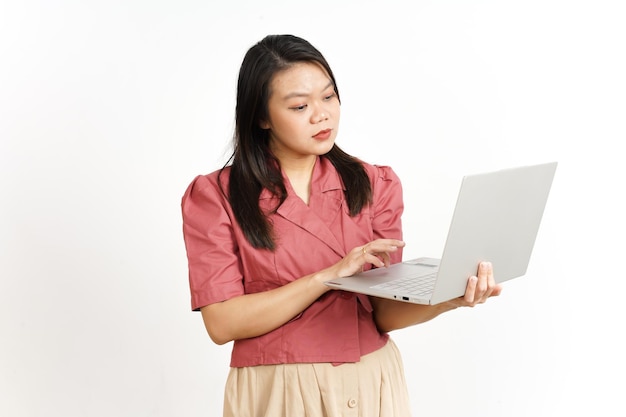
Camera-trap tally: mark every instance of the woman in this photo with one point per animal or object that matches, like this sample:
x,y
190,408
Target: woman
x,y
290,211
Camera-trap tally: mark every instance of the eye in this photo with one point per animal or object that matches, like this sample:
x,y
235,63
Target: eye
x,y
329,96
298,108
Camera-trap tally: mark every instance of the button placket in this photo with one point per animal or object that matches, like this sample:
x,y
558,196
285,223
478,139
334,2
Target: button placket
x,y
351,391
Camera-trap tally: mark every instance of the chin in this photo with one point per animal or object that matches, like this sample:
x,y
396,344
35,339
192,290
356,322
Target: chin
x,y
323,150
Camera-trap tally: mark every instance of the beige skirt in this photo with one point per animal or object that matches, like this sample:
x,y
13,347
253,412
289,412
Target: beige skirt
x,y
373,387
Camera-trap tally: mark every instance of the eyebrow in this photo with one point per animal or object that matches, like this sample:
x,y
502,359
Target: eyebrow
x,y
298,94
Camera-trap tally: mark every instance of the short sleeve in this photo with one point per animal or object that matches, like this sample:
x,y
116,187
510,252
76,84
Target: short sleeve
x,y
214,268
388,206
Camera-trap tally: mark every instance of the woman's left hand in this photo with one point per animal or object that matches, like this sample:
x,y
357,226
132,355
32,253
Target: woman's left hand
x,y
479,287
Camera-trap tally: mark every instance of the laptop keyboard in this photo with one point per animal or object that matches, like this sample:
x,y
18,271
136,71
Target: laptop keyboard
x,y
413,285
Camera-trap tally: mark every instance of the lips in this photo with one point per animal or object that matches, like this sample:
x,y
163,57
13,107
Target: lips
x,y
323,134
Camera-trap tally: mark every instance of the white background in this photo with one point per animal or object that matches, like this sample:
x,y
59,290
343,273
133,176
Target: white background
x,y
109,109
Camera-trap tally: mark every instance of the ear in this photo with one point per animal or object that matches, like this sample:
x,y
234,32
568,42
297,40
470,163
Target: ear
x,y
264,124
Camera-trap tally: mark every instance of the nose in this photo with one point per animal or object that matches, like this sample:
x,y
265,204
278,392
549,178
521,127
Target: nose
x,y
321,116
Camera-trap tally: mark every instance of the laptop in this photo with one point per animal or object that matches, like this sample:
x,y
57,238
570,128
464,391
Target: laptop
x,y
496,218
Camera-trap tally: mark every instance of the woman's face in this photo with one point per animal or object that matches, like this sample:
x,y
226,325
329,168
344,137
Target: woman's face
x,y
303,112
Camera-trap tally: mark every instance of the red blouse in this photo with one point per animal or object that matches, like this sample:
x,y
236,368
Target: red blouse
x,y
338,327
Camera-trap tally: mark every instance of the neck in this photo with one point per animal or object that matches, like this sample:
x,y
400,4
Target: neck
x,y
298,167
300,173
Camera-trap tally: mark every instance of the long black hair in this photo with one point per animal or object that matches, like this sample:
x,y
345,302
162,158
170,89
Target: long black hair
x,y
253,167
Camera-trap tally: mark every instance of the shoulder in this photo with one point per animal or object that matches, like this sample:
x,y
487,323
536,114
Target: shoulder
x,y
208,182
378,173
207,188
386,187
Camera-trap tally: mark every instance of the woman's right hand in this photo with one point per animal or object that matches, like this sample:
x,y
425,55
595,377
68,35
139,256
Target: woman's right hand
x,y
377,252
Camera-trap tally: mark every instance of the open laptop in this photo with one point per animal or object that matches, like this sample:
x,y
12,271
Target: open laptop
x,y
496,219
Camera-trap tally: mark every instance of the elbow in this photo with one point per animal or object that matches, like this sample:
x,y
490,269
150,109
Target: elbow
x,y
218,332
219,340
390,315
384,326
383,318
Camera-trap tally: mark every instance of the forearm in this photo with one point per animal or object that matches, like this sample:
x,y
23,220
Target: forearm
x,y
253,315
392,315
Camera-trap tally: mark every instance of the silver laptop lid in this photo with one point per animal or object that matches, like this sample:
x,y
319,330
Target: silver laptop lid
x,y
503,208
